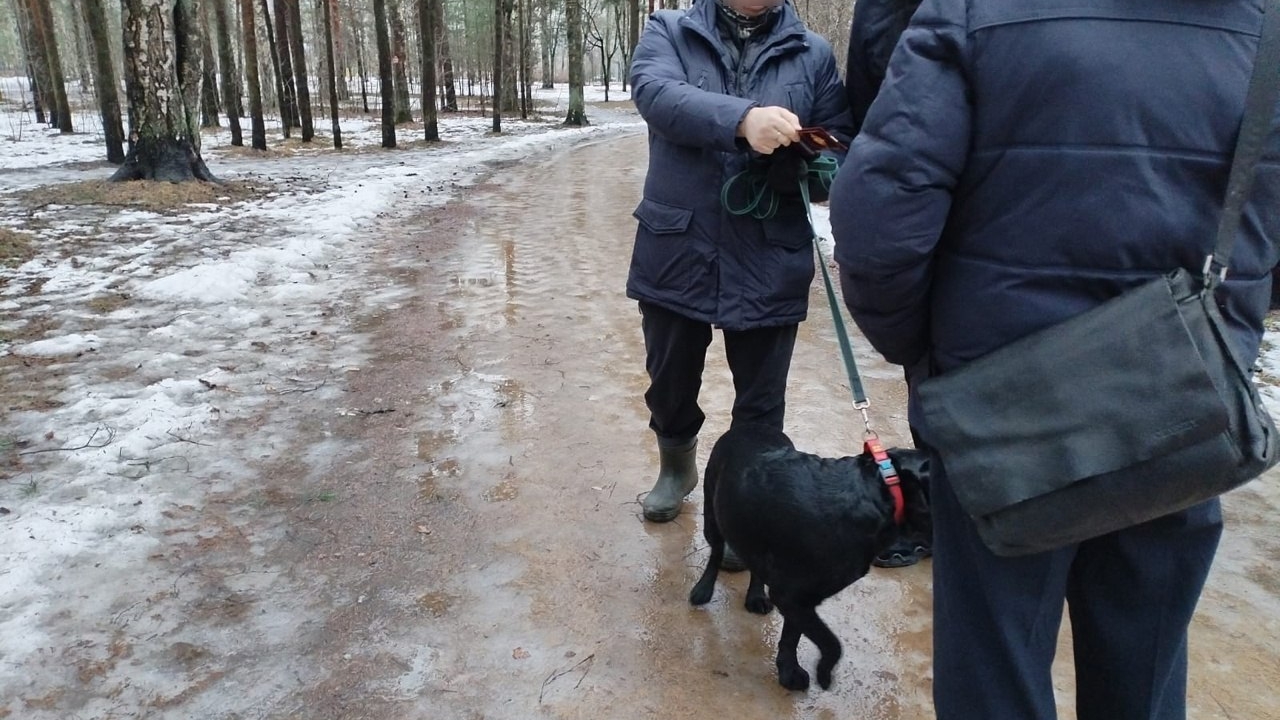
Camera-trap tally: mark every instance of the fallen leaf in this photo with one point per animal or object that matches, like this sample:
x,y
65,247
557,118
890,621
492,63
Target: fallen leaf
x,y
519,653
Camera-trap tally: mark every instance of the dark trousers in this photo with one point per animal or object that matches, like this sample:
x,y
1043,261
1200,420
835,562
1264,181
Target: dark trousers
x,y
676,353
1131,595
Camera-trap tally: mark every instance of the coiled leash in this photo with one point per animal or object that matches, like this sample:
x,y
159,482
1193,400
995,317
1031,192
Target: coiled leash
x,y
762,200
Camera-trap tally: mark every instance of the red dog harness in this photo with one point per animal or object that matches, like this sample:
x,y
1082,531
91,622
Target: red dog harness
x,y
873,447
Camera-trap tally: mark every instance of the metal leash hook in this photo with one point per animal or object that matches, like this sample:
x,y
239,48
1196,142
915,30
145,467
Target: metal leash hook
x,y
866,418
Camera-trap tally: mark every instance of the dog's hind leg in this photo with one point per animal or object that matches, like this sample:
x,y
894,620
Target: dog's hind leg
x,y
828,644
706,585
757,601
790,675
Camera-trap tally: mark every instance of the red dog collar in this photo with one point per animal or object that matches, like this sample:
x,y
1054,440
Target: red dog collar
x,y
888,474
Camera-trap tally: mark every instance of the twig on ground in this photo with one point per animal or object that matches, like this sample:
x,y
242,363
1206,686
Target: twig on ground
x,y
589,660
88,444
179,438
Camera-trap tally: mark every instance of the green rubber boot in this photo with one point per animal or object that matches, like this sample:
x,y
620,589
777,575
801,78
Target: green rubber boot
x,y
677,477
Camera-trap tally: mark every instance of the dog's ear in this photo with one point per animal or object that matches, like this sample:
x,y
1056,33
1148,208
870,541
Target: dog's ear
x,y
911,462
913,469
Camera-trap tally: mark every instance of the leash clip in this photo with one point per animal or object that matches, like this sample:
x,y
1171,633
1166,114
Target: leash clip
x,y
866,418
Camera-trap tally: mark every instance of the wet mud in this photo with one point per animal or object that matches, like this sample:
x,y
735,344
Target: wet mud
x,y
514,576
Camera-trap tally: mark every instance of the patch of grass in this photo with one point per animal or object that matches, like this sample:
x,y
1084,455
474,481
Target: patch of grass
x,y
323,496
31,488
140,194
15,247
105,304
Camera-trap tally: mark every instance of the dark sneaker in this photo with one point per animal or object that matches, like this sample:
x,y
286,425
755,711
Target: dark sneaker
x,y
902,553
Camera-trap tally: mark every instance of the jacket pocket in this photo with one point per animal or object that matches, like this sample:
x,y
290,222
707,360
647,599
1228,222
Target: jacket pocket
x,y
661,218
788,229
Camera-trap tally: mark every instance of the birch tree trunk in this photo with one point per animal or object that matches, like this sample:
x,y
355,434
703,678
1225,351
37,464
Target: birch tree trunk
x,y
162,79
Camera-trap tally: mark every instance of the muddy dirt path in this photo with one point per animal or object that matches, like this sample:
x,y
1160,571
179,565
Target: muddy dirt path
x,y
504,570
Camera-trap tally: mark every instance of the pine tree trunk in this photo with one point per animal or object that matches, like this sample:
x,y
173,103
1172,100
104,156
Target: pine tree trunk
x,y
301,83
399,61
162,76
56,86
34,57
573,29
427,31
104,79
510,89
339,51
497,65
188,38
633,37
333,79
364,88
209,109
285,98
446,59
230,75
259,132
82,52
384,73
548,48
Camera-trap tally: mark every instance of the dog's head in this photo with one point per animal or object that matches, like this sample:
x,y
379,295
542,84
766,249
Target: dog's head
x,y
913,473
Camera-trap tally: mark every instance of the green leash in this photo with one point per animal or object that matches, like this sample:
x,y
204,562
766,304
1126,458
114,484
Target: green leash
x,y
860,401
762,204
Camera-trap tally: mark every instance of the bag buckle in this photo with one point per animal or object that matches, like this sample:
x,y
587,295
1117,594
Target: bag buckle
x,y
1212,268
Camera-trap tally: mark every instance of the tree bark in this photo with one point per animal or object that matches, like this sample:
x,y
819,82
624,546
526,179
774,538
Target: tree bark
x,y
384,74
548,47
82,53
573,29
333,81
37,63
259,132
42,13
104,79
160,68
230,75
427,31
209,109
364,86
399,62
446,59
497,65
285,97
299,53
510,99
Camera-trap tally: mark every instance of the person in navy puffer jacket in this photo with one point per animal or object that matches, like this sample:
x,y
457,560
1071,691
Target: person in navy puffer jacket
x,y
1025,161
724,87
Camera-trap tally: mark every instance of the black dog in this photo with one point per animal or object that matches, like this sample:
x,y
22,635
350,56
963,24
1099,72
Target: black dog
x,y
807,527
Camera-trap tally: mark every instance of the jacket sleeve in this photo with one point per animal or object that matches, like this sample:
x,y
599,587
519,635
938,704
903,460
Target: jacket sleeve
x,y
830,105
891,198
670,104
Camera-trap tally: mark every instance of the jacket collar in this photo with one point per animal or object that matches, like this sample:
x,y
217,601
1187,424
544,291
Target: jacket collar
x,y
701,18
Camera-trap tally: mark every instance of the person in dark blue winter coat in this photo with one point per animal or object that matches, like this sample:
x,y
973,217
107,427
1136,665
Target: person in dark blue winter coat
x,y
1025,161
724,87
873,34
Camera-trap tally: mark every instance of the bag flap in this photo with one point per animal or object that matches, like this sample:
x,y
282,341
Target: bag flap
x,y
1110,388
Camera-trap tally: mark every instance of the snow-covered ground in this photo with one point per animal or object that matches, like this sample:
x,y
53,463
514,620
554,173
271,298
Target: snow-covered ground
x,y
132,338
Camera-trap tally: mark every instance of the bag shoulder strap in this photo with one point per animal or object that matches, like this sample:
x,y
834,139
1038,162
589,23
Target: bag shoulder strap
x,y
1255,128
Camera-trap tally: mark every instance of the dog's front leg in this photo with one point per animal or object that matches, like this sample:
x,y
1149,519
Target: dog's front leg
x,y
757,600
790,675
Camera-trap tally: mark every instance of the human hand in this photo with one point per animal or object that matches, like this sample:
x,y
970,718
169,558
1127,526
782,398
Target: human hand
x,y
768,128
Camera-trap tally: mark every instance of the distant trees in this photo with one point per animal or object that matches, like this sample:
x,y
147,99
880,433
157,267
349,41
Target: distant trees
x,y
184,64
